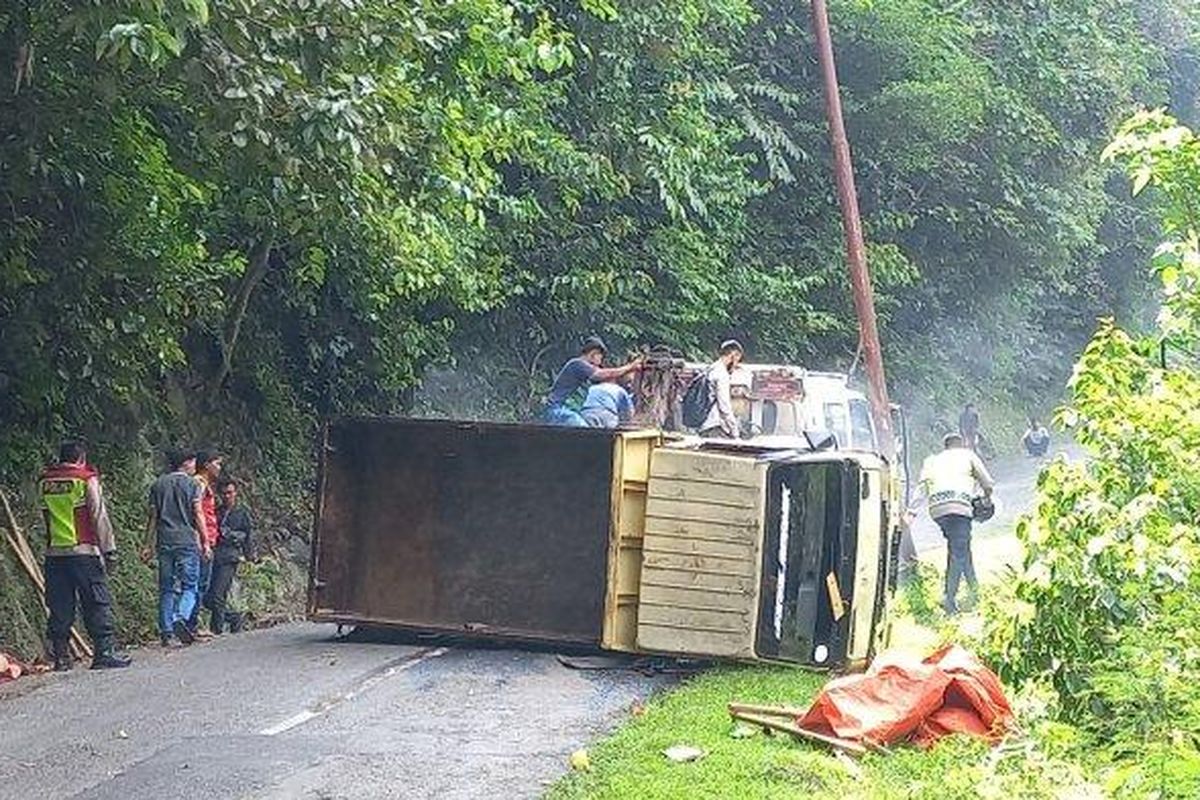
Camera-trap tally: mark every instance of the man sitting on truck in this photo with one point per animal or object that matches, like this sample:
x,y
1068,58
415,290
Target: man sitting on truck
x,y
721,423
948,482
608,405
570,388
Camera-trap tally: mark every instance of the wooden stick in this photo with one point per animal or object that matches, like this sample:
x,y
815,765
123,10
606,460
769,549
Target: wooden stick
x,y
773,711
853,748
20,545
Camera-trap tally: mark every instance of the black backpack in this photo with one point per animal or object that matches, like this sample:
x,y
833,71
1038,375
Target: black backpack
x,y
698,400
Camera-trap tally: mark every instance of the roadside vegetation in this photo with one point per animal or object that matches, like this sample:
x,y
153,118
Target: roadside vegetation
x,y
1097,635
224,220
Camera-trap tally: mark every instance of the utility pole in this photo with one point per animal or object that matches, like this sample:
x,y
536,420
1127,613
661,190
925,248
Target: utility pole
x,y
856,252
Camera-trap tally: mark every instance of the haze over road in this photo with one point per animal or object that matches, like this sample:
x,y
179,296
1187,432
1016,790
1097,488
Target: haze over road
x,y
291,713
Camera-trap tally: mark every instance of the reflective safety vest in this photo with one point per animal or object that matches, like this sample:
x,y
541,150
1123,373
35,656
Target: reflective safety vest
x,y
64,506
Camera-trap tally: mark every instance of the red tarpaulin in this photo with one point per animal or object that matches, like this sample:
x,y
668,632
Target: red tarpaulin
x,y
900,698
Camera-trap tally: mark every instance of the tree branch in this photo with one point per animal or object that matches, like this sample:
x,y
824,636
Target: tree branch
x,y
256,270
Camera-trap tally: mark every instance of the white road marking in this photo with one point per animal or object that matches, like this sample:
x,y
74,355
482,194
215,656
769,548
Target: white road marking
x,y
319,709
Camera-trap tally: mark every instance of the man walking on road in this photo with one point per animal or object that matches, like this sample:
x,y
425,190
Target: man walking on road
x,y
176,517
948,482
721,423
80,548
968,427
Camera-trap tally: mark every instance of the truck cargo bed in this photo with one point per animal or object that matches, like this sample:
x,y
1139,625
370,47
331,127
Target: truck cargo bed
x,y
458,526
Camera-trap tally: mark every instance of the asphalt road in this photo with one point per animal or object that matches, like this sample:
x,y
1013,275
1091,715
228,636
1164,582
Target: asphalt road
x,y
290,712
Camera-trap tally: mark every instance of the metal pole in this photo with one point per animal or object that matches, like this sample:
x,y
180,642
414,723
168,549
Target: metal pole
x,y
856,252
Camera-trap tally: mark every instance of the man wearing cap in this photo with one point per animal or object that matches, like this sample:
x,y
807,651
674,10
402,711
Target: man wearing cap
x,y
570,388
721,423
948,482
80,550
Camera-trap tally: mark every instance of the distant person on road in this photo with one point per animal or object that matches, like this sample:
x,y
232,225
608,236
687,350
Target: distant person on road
x,y
968,427
1036,439
208,470
569,392
720,422
234,546
608,405
176,534
949,482
80,550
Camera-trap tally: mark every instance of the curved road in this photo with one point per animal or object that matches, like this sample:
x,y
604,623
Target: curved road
x,y
290,712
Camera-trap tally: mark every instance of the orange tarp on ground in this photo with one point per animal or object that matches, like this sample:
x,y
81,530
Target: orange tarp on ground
x,y
900,698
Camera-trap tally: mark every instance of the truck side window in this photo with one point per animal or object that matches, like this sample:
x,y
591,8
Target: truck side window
x,y
835,423
770,416
862,436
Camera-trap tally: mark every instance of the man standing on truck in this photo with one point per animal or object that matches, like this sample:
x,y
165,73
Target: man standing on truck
x,y
608,405
570,388
80,550
948,482
720,422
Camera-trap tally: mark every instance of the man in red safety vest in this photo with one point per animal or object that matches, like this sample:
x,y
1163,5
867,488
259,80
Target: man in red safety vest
x,y
79,551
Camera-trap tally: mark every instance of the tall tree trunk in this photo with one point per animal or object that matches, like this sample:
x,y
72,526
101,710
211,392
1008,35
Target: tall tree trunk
x,y
256,270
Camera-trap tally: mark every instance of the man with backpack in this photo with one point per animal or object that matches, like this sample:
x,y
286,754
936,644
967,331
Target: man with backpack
x,y
708,402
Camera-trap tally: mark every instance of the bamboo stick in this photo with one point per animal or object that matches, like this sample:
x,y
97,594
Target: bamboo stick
x,y
853,748
80,647
774,711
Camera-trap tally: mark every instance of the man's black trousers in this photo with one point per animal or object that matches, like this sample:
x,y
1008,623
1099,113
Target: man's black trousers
x,y
79,578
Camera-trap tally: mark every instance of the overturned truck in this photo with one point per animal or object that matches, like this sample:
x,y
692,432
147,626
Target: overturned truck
x,y
616,540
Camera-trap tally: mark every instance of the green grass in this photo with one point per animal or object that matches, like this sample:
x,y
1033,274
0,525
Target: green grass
x,y
630,764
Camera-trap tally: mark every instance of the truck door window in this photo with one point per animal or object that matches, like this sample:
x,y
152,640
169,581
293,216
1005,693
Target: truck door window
x,y
770,416
862,435
835,423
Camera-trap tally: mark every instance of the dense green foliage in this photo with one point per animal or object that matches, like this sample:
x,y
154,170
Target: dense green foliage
x,y
221,220
1108,605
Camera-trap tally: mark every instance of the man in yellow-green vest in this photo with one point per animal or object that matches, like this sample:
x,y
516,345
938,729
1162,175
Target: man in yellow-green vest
x,y
79,551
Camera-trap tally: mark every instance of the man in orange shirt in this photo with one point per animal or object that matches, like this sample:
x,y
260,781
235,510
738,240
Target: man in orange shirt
x,y
208,469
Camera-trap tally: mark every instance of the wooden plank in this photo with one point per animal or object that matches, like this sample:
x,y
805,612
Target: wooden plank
x,y
699,580
738,496
675,640
778,724
741,551
657,527
694,511
729,620
696,466
665,594
699,564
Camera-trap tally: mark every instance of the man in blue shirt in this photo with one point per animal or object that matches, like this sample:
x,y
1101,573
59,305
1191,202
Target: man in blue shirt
x,y
607,405
570,388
